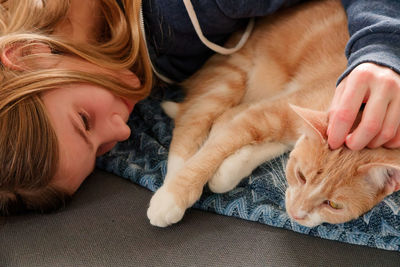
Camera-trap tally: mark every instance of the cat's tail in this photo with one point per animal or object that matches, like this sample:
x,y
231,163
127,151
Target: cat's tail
x,y
170,108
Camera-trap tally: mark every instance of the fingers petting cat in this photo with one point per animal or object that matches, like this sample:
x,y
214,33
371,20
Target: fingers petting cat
x,y
379,88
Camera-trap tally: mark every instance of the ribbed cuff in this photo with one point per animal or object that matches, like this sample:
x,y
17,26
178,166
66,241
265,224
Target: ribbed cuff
x,y
379,48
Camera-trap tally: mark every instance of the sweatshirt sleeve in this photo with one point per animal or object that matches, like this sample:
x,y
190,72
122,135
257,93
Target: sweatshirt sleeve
x,y
374,27
175,50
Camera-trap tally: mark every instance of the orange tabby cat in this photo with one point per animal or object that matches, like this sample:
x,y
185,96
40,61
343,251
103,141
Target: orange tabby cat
x,y
238,114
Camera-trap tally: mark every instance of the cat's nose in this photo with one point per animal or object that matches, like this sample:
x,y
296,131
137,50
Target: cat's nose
x,y
297,218
298,215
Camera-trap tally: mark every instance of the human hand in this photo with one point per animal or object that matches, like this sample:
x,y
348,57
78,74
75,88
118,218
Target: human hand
x,y
379,88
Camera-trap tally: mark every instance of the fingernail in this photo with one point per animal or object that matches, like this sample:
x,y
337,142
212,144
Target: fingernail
x,y
351,144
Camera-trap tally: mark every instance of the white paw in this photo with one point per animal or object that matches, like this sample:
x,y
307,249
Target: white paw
x,y
218,185
170,108
241,164
232,170
163,209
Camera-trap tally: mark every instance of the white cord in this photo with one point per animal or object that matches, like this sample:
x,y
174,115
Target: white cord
x,y
217,48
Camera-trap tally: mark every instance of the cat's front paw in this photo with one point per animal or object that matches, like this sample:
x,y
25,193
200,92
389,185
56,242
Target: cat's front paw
x,y
228,175
220,184
163,209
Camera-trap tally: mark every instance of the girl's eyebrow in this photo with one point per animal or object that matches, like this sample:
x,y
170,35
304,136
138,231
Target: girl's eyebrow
x,y
80,132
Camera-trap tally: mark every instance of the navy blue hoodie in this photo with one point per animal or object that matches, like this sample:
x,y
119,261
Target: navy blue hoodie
x,y
177,52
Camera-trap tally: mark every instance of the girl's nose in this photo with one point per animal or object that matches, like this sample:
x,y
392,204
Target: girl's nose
x,y
119,129
116,131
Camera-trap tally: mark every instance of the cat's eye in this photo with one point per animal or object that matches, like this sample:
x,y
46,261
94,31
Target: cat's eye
x,y
300,176
333,204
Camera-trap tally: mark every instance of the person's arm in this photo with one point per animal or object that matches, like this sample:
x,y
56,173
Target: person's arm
x,y
372,77
176,50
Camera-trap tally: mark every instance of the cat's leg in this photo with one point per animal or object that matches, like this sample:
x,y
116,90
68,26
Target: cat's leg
x,y
193,125
219,86
255,125
241,164
213,90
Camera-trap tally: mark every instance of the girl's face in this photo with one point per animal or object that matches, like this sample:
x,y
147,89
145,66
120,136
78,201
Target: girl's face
x,y
88,121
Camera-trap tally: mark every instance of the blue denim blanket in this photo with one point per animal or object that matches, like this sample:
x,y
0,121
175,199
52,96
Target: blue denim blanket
x,y
143,160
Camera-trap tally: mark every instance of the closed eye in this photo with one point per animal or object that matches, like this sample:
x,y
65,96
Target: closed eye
x,y
77,126
85,120
300,176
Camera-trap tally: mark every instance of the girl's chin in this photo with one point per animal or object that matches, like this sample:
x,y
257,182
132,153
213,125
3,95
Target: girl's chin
x,y
105,148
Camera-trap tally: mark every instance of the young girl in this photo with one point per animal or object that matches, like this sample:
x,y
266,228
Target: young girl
x,y
72,71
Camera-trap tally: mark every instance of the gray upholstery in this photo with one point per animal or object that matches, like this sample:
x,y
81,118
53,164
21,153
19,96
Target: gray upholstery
x,y
106,225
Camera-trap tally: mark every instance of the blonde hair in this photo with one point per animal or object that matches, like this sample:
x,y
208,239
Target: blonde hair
x,y
29,151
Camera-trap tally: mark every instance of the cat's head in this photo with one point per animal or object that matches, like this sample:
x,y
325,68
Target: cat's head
x,y
339,185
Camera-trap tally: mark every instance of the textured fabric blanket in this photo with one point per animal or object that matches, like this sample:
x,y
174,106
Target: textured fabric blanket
x,y
260,197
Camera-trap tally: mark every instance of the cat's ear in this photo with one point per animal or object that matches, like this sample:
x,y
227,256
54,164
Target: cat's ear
x,y
382,175
316,122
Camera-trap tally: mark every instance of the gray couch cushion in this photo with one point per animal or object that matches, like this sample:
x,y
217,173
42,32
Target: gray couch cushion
x,y
106,225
